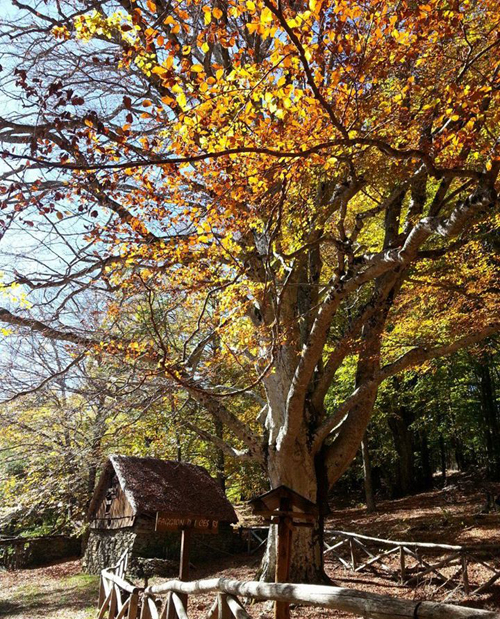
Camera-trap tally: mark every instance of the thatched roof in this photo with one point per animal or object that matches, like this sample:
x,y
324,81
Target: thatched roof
x,y
178,488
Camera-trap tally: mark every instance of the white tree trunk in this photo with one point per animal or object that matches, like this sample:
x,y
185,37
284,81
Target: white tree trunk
x,y
292,465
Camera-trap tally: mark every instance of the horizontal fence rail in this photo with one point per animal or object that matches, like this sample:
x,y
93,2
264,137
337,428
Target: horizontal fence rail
x,y
359,603
409,563
478,548
119,599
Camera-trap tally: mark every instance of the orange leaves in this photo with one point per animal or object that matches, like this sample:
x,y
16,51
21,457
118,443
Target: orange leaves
x,y
316,5
175,26
385,70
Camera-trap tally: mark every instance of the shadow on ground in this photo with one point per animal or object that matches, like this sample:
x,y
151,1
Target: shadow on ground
x,y
76,594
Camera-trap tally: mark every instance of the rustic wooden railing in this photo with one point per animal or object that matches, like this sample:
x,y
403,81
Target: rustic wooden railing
x,y
169,601
256,537
13,552
118,599
360,552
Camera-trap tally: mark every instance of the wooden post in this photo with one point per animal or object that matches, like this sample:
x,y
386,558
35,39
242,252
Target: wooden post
x,y
133,606
353,554
170,607
184,563
145,614
465,574
283,556
224,612
112,602
185,547
402,563
102,593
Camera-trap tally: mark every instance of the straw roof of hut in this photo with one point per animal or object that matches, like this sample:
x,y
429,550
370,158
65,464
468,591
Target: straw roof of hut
x,y
152,485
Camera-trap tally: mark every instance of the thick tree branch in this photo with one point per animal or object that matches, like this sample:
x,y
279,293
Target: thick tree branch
x,y
49,332
387,149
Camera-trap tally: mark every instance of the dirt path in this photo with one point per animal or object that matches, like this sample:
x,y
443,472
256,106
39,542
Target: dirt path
x,y
56,592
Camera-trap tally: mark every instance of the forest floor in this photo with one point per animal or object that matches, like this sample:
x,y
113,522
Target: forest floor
x,y
450,515
58,591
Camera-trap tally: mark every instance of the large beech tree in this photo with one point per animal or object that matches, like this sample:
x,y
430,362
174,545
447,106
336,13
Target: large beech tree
x,y
309,190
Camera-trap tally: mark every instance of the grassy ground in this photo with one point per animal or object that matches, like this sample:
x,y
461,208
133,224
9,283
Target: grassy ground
x,y
55,592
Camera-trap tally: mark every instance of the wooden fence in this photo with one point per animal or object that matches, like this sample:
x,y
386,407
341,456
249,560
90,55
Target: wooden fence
x,y
416,562
409,563
256,537
13,552
119,599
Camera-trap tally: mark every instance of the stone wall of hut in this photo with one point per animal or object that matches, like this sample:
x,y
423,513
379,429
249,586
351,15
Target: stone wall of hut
x,y
105,546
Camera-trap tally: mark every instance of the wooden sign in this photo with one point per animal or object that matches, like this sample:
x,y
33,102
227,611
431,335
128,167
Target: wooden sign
x,y
300,508
169,522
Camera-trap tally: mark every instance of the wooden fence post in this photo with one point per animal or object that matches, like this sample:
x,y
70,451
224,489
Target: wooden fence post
x,y
465,573
402,564
133,606
353,554
224,612
145,612
170,608
102,593
112,603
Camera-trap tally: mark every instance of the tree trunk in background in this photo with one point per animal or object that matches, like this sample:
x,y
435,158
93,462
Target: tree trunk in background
x,y
442,454
294,465
459,456
426,480
367,474
220,459
403,442
490,416
178,444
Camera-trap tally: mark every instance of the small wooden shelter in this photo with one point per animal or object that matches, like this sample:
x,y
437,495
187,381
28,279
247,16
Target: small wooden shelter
x,y
138,502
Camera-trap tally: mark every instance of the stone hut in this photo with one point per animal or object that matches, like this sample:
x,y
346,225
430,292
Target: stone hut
x,y
134,495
